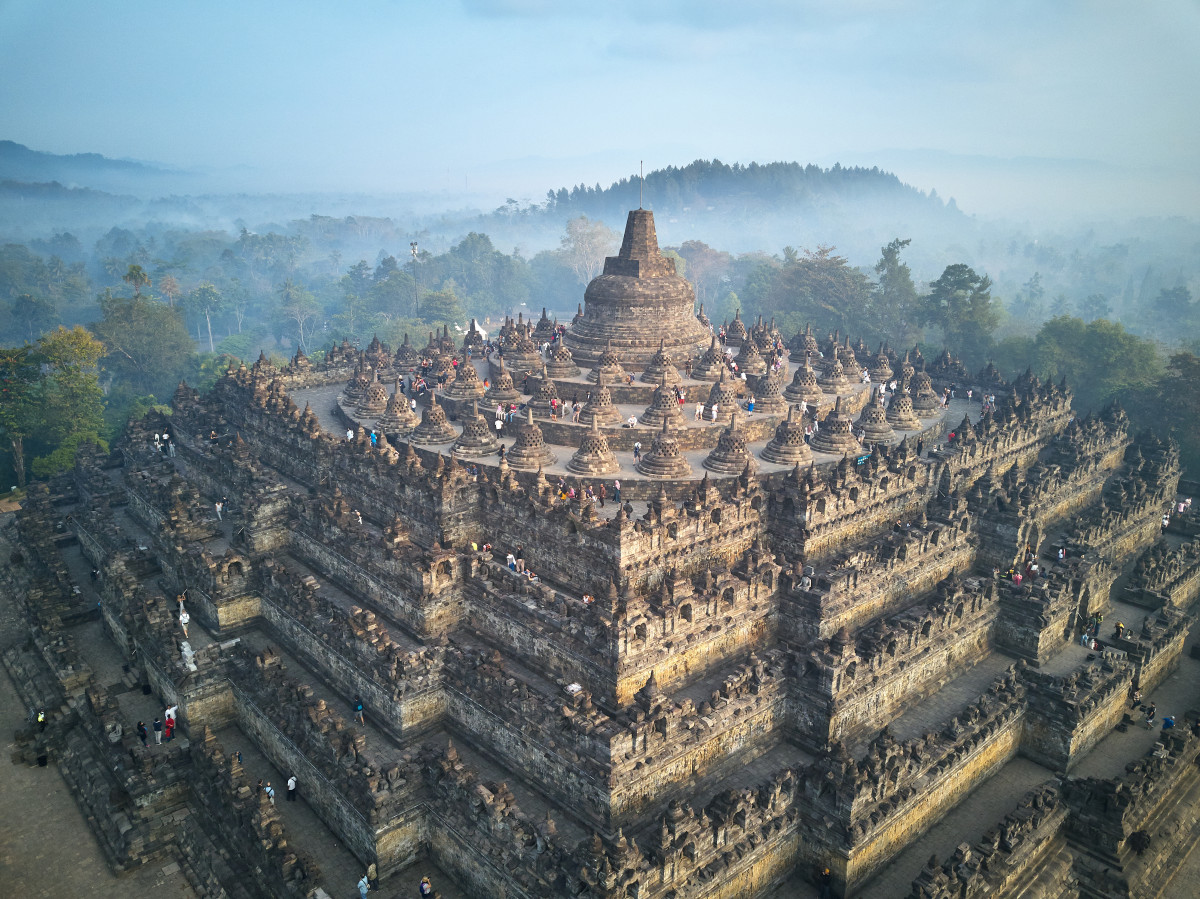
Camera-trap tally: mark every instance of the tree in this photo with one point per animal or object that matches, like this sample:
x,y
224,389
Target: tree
x,y
585,245
395,296
72,403
296,306
1029,299
170,289
1100,360
815,286
1175,403
136,278
1173,313
355,295
205,300
441,307
895,298
19,413
706,268
34,313
1095,306
960,303
147,345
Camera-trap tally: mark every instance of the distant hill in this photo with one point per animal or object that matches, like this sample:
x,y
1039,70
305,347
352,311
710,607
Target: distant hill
x,y
20,163
713,186
751,207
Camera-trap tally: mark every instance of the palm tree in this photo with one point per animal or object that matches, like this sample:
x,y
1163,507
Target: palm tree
x,y
137,278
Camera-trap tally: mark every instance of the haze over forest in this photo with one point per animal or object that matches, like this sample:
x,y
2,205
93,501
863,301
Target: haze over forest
x,y
247,182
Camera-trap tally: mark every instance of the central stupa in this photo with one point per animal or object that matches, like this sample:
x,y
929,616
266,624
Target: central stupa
x,y
638,303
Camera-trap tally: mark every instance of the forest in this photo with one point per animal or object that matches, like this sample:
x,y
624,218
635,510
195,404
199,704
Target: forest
x,y
99,325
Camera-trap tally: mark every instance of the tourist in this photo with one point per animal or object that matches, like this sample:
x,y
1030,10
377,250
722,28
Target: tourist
x,y
157,725
184,618
714,411
425,888
270,791
218,506
1168,722
142,732
291,788
699,411
603,494
637,450
631,422
617,492
520,558
512,562
349,434
358,710
169,730
364,886
825,882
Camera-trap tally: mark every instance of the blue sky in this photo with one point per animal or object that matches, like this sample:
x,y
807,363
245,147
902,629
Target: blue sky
x,y
1083,104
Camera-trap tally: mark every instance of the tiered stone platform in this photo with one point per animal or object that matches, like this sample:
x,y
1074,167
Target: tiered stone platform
x,y
703,673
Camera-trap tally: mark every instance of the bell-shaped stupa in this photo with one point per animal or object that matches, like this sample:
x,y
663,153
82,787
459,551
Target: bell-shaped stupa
x,y
661,366
804,387
434,427
530,452
835,434
398,417
594,457
711,362
788,446
466,384
502,389
476,438
900,413
664,407
600,408
638,299
561,364
730,456
664,460
872,422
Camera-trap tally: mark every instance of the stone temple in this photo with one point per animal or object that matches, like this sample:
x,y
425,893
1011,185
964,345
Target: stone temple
x,y
771,657
638,303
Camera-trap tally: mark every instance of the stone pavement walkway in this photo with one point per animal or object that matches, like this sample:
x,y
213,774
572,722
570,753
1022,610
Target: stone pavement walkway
x,y
47,850
305,831
324,401
980,811
962,690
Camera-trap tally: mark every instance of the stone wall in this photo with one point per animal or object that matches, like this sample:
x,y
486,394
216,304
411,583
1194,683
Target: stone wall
x,y
1009,858
364,800
1069,715
848,689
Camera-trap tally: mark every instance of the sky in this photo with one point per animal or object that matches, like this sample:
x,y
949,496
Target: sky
x,y
1008,107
